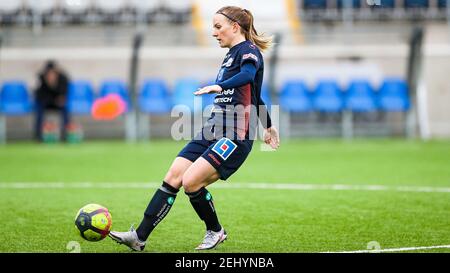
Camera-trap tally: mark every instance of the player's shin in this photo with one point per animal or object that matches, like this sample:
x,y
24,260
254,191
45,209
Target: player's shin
x,y
157,209
203,204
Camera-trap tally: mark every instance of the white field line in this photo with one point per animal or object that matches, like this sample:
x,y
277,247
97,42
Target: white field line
x,y
143,185
392,249
222,185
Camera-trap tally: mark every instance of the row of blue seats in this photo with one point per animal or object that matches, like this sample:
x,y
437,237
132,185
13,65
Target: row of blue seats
x,y
409,4
154,96
359,96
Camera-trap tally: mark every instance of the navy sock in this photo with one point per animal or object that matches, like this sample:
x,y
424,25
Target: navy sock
x,y
157,209
203,204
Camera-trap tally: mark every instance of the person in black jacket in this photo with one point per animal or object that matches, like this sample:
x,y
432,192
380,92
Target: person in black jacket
x,y
51,95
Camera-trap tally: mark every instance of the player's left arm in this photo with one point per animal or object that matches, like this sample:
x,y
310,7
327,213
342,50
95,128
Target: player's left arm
x,y
251,55
271,135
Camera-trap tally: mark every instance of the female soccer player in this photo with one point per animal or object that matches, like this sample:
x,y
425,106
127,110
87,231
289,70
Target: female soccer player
x,y
226,139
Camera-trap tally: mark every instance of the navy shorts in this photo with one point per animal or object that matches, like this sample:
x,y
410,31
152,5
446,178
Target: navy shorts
x,y
224,154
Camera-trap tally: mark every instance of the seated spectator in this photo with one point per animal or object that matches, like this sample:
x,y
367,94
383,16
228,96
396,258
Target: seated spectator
x,y
51,95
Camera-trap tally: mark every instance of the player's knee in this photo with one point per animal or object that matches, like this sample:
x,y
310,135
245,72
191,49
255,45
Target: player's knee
x,y
174,177
190,184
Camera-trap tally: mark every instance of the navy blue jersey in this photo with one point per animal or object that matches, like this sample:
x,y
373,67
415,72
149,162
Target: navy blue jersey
x,y
247,95
227,138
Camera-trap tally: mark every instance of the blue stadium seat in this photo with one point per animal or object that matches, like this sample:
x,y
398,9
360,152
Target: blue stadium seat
x,y
80,97
183,93
416,4
114,86
328,97
393,95
295,97
442,4
14,98
360,97
315,4
154,97
388,4
356,4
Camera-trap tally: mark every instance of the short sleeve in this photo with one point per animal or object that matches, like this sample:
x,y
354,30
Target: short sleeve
x,y
250,53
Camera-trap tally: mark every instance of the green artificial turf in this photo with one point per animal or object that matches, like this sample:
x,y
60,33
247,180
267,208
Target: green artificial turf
x,y
41,219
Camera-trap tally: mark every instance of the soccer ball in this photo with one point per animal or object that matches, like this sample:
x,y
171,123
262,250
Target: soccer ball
x,y
93,222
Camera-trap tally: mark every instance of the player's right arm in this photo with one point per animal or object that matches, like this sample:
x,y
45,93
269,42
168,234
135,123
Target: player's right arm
x,y
246,75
